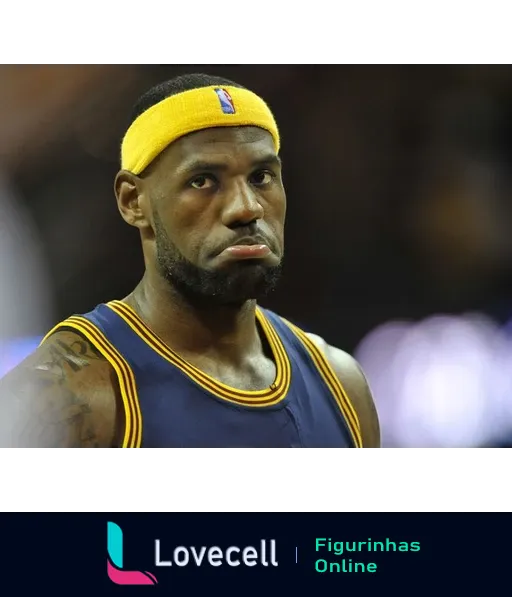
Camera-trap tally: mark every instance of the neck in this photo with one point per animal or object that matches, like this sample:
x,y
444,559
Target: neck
x,y
196,328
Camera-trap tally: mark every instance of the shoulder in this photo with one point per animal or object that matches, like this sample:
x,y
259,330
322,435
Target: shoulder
x,y
62,395
352,377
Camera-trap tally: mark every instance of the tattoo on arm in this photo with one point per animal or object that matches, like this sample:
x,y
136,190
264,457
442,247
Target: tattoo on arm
x,y
75,355
48,403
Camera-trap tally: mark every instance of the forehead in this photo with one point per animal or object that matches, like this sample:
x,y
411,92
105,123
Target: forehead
x,y
221,143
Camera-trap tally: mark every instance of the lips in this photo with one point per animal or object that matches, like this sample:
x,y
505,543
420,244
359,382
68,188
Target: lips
x,y
247,248
248,241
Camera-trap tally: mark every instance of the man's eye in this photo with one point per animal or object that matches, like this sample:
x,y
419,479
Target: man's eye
x,y
262,177
202,182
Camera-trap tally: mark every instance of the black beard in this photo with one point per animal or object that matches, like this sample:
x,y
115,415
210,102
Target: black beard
x,y
237,283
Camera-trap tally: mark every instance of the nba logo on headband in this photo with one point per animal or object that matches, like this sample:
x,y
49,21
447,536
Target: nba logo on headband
x,y
226,103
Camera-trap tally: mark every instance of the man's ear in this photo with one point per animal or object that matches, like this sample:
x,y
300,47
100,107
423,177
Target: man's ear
x,y
132,200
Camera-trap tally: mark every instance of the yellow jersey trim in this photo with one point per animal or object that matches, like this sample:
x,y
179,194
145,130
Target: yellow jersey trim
x,y
333,383
255,398
128,388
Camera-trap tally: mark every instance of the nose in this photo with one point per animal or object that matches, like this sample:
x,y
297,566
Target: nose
x,y
242,206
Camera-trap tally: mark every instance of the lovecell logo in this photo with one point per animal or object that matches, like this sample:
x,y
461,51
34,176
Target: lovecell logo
x,y
116,573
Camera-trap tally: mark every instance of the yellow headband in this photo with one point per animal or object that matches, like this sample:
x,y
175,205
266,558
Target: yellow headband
x,y
191,111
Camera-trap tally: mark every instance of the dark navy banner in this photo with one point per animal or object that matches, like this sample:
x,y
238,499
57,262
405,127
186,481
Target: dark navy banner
x,y
279,554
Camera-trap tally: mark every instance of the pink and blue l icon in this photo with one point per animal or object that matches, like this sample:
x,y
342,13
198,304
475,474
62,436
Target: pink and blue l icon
x,y
115,561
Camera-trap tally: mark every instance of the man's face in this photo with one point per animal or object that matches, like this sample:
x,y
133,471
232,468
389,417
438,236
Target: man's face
x,y
218,207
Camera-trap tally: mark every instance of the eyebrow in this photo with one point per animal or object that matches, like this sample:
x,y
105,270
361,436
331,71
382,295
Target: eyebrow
x,y
201,165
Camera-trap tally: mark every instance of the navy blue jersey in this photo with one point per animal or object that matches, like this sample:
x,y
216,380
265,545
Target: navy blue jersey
x,y
170,403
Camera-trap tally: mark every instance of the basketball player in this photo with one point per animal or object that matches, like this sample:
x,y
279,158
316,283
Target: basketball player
x,y
189,358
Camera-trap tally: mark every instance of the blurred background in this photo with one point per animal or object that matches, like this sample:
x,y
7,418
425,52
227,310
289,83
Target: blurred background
x,y
398,246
